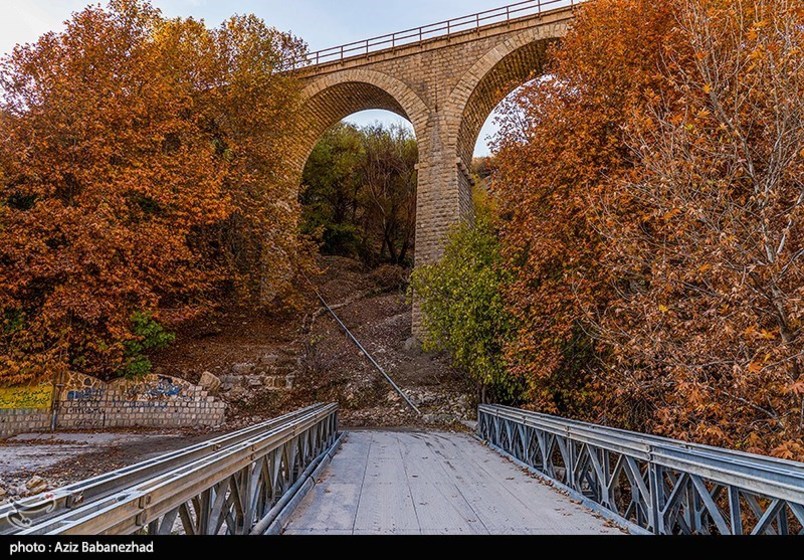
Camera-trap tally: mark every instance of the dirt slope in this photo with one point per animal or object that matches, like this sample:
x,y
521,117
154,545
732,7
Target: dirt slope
x,y
273,363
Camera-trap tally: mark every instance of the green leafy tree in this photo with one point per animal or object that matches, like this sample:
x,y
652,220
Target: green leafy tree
x,y
464,311
360,195
330,198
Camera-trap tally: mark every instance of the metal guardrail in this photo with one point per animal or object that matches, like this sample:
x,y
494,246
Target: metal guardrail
x,y
23,513
230,485
442,29
657,484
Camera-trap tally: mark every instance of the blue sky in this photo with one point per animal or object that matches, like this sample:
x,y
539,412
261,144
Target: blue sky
x,y
322,23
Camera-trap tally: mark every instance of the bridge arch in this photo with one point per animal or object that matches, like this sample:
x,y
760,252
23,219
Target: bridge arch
x,y
331,98
446,79
491,79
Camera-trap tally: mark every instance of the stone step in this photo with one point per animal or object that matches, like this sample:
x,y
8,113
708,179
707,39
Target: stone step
x,y
264,369
279,359
279,382
271,382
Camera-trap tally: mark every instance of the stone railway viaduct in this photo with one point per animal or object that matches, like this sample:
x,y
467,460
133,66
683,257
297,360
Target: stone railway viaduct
x,y
446,86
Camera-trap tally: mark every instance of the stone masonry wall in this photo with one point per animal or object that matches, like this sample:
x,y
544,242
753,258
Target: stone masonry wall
x,y
88,403
23,420
446,87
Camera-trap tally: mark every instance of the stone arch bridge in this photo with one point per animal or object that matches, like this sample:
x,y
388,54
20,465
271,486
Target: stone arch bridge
x,y
446,79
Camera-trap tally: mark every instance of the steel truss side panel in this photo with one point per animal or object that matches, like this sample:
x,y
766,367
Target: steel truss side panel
x,y
227,491
657,484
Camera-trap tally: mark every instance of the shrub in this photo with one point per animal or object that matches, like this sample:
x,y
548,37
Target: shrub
x,y
390,277
150,335
464,312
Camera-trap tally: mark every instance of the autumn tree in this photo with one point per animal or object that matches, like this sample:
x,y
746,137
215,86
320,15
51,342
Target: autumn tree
x,y
653,184
142,166
389,172
562,139
708,326
245,102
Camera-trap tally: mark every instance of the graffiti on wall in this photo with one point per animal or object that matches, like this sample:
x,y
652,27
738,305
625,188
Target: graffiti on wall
x,y
85,394
29,396
164,387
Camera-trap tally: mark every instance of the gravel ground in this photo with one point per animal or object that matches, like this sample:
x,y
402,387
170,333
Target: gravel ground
x,y
62,458
308,346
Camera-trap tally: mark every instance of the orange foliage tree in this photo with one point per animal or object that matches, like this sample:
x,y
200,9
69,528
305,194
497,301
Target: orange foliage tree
x,y
562,138
709,325
142,173
656,185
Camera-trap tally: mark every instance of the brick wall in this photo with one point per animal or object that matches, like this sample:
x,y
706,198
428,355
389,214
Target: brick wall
x,y
21,420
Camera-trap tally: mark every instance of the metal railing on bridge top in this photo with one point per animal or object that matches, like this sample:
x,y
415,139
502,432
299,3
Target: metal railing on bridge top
x,y
238,484
653,484
442,29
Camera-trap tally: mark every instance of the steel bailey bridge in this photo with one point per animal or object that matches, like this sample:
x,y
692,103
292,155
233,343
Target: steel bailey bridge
x,y
521,473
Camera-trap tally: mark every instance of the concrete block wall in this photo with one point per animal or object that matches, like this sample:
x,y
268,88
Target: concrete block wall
x,y
153,402
111,412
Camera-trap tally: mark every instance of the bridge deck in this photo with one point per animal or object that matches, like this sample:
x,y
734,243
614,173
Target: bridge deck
x,y
433,483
